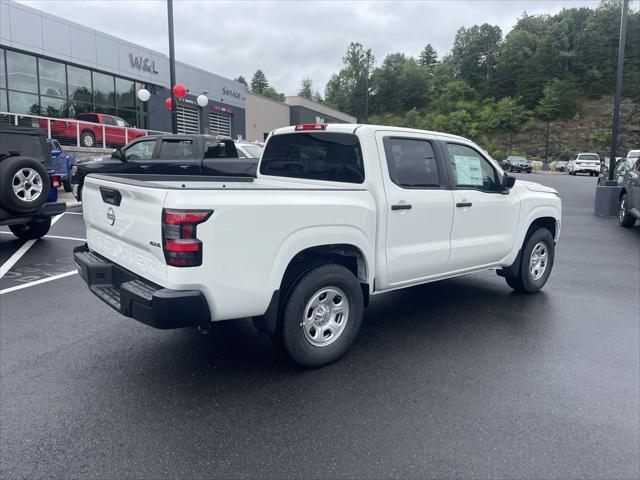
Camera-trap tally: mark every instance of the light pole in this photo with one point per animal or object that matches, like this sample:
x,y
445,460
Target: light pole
x,y
172,69
616,102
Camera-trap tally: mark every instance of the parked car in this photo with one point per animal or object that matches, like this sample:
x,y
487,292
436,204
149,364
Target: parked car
x,y
62,162
249,150
621,168
168,155
585,163
561,166
629,203
28,183
341,212
633,154
117,131
519,164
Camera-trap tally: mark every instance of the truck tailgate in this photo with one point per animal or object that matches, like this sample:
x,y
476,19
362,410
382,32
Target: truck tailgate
x,y
124,224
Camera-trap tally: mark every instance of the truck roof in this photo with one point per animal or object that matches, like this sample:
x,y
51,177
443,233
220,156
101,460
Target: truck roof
x,y
352,127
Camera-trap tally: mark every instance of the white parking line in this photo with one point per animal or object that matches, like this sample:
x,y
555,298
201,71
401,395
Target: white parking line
x,y
37,282
13,259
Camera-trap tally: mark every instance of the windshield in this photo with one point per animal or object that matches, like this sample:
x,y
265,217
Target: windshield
x,y
253,151
634,154
335,157
517,159
588,156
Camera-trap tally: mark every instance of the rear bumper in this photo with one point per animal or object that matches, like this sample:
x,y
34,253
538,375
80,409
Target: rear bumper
x,y
45,211
135,297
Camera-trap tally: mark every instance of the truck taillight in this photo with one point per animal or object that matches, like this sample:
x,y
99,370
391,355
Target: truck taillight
x,y
56,181
180,244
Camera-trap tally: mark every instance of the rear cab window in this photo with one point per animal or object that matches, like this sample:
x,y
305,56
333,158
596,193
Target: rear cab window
x,y
329,156
177,149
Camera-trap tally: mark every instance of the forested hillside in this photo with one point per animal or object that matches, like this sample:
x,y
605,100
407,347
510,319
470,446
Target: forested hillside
x,y
504,91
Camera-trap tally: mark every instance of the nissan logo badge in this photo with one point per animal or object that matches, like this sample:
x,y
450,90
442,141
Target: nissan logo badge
x,y
111,216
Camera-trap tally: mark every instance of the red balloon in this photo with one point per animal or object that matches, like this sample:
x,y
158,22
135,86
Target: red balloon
x,y
167,103
179,90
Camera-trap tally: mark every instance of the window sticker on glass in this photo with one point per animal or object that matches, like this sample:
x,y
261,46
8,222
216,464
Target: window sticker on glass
x,y
468,170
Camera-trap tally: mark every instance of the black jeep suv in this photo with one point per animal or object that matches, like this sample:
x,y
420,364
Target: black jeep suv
x,y
25,183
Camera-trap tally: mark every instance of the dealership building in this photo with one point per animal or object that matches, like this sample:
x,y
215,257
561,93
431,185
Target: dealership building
x,y
52,67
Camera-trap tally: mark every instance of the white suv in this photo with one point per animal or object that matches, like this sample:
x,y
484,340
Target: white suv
x,y
585,163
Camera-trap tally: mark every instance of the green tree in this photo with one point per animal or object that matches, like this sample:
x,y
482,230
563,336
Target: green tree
x,y
259,82
271,92
240,79
317,97
428,57
348,90
306,88
475,52
549,109
399,85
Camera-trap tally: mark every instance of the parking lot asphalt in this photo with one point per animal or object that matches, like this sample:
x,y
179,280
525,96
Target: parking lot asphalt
x,y
460,378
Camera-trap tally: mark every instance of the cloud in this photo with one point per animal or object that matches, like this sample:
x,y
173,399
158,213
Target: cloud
x,y
290,40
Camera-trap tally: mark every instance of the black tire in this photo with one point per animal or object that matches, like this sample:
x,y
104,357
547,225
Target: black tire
x,y
87,139
292,325
625,219
524,281
17,202
33,229
66,184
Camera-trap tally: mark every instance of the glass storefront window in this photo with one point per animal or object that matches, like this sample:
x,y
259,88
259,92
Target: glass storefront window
x,y
103,93
3,101
125,93
23,103
3,78
128,115
53,107
21,72
53,79
79,107
79,84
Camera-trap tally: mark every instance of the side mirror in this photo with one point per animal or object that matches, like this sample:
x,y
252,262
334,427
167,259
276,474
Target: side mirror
x,y
508,181
117,154
55,153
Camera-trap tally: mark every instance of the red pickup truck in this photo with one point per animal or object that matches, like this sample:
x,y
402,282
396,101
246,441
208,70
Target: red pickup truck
x,y
116,130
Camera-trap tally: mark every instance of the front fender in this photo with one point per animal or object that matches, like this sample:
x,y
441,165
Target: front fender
x,y
540,211
316,236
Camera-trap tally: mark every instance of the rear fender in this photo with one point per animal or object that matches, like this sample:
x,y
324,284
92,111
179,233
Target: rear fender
x,y
318,236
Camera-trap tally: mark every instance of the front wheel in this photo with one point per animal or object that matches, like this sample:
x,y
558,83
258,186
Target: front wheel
x,y
321,316
31,230
625,219
535,264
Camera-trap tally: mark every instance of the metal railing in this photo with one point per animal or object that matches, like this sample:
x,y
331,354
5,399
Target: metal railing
x,y
78,133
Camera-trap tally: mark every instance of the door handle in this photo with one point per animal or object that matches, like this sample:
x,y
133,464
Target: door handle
x,y
463,204
402,206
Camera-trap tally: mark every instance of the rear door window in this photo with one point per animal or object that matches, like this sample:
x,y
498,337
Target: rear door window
x,y
334,157
411,162
177,150
21,144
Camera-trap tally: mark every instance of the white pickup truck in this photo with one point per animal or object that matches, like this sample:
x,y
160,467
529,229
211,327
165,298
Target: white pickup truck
x,y
336,214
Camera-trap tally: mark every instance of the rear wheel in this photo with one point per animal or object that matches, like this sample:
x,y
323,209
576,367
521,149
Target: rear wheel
x,y
87,139
625,219
31,230
321,316
66,184
536,263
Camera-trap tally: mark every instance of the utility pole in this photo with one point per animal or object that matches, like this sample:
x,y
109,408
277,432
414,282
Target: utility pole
x,y
616,102
172,69
366,93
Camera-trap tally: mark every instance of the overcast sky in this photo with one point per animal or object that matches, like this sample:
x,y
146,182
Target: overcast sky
x,y
290,40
